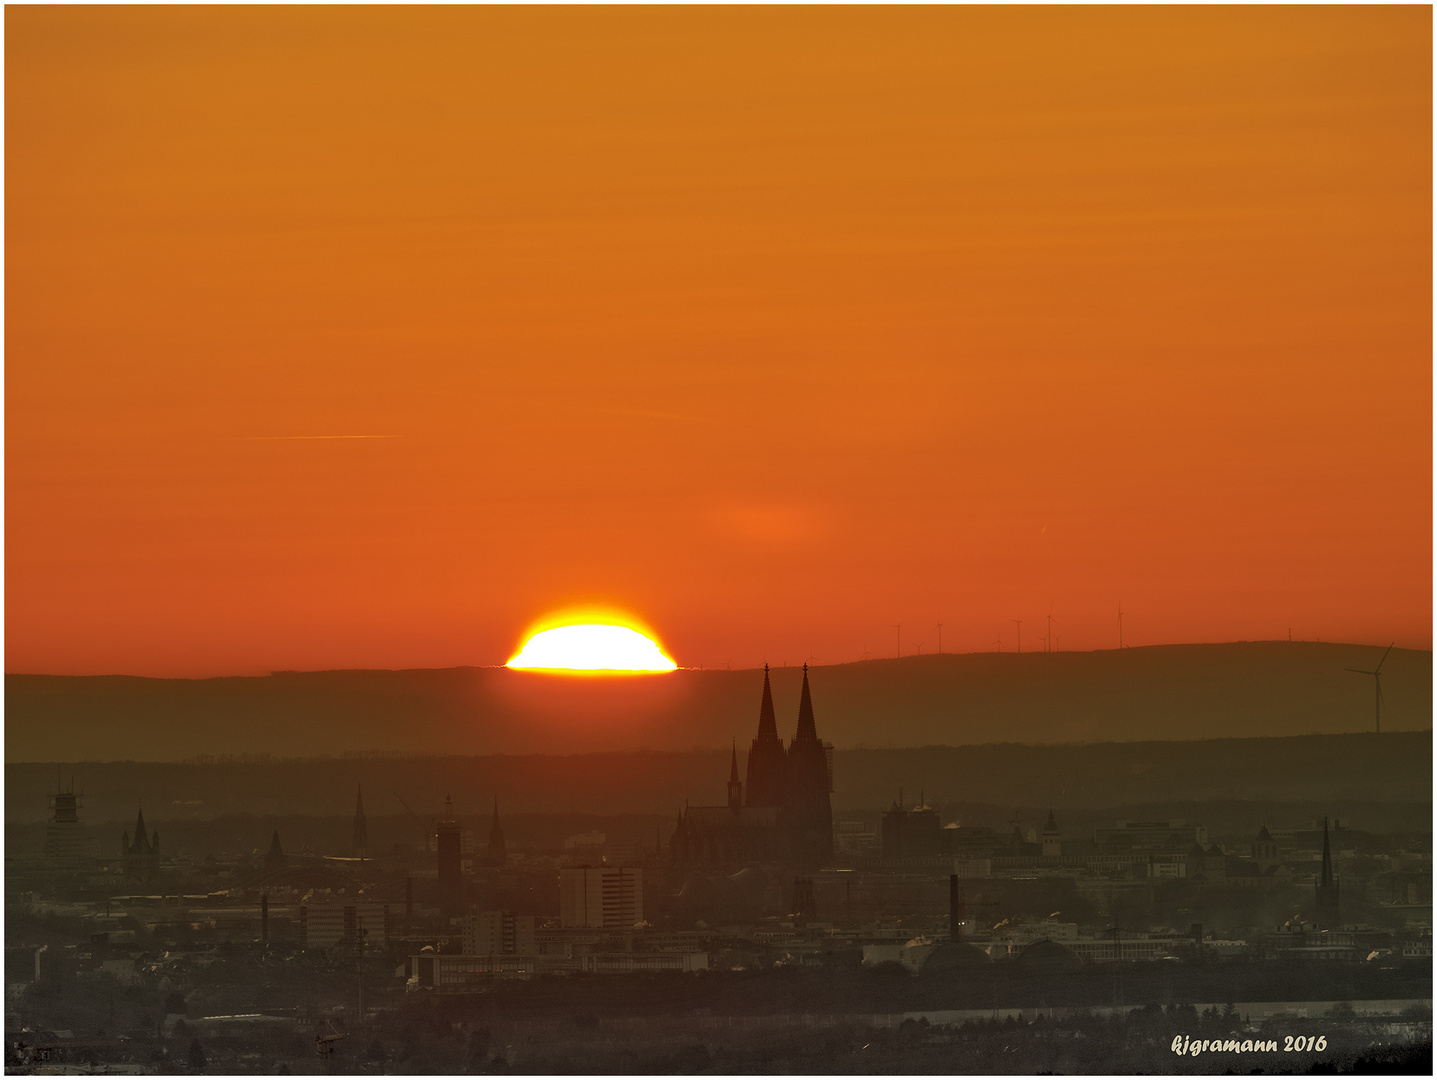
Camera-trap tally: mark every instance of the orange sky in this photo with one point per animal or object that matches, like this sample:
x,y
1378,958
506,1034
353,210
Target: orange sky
x,y
775,326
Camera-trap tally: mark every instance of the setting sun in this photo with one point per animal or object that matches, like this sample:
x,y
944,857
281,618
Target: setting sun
x,y
592,647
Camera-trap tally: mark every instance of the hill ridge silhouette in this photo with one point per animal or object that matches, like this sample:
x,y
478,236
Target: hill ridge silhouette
x,y
1149,692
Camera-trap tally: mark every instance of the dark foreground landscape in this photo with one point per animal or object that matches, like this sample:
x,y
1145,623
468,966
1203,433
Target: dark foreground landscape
x,y
1229,905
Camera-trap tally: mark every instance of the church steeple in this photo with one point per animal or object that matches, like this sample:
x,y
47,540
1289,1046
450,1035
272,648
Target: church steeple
x,y
735,785
767,721
767,759
807,732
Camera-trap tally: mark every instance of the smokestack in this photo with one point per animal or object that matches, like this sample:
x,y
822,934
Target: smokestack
x,y
955,909
264,919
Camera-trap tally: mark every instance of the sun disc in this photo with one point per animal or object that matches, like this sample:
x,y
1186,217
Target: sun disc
x,y
591,647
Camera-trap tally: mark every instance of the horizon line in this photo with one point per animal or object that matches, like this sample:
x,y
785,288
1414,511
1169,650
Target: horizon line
x,y
273,672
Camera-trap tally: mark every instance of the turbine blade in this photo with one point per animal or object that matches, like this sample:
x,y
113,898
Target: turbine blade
x,y
1384,657
1359,671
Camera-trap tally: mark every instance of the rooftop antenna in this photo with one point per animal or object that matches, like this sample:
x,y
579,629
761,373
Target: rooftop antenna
x,y
1019,623
1377,682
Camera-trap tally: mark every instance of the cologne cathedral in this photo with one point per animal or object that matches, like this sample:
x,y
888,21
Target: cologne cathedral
x,y
781,814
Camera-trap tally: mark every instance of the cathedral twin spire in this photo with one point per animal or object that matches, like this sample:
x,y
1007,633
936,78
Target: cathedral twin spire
x,y
771,767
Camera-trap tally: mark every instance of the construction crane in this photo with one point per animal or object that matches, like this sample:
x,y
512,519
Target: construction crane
x,y
324,1044
424,830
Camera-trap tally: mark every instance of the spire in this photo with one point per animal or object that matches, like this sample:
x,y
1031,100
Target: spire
x,y
807,732
767,722
735,786
142,836
496,811
1052,825
359,800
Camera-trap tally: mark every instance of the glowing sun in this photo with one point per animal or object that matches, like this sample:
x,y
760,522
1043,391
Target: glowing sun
x,y
592,647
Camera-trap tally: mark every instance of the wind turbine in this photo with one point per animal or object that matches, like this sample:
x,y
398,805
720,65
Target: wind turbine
x,y
999,643
1377,682
899,638
1019,623
1049,639
940,639
1120,624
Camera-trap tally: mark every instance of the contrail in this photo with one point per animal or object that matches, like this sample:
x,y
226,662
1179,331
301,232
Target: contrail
x,y
276,438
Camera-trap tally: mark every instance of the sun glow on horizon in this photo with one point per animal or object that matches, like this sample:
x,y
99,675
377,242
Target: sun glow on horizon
x,y
591,647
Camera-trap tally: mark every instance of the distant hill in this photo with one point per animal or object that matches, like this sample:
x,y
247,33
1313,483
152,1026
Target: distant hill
x,y
1157,692
1323,774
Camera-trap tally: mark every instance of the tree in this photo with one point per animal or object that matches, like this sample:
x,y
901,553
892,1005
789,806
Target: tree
x,y
198,1061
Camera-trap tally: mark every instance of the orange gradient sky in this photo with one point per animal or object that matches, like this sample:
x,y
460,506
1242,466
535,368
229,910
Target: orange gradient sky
x,y
776,327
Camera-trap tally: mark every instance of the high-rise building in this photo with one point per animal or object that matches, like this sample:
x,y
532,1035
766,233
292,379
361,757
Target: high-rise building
x,y
361,827
322,925
65,836
499,933
605,897
912,832
450,845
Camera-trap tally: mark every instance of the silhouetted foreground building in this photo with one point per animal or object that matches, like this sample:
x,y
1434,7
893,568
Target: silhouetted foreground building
x,y
782,814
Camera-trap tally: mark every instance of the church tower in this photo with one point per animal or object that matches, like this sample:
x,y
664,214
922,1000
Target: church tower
x,y
767,762
1052,838
141,855
808,809
498,852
